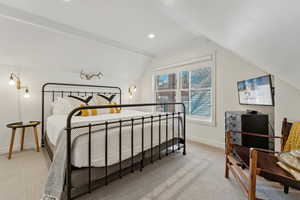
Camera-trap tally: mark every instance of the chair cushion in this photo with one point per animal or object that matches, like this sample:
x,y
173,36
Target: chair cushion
x,y
293,172
290,160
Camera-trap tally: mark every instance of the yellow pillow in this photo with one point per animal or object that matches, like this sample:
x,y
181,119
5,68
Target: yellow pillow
x,y
293,141
87,112
114,110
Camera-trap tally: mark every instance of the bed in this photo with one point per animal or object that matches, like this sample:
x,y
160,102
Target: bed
x,y
99,149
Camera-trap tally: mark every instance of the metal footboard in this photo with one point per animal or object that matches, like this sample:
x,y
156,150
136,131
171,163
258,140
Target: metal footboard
x,y
169,146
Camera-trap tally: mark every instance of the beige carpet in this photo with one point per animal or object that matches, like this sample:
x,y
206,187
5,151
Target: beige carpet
x,y
23,177
199,175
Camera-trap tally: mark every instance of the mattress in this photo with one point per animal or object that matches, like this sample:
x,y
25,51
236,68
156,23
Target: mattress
x,y
79,157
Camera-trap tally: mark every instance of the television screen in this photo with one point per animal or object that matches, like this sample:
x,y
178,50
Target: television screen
x,y
256,91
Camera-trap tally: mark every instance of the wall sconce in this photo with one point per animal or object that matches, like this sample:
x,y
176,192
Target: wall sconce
x,y
131,91
15,80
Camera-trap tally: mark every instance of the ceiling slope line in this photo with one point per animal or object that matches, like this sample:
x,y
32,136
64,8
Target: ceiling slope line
x,y
50,25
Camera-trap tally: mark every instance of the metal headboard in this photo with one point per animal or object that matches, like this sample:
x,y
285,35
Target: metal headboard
x,y
76,90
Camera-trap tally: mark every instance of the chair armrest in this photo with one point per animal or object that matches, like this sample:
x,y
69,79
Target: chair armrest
x,y
254,134
264,150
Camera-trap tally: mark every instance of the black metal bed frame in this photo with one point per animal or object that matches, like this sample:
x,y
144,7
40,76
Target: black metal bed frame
x,y
71,92
181,140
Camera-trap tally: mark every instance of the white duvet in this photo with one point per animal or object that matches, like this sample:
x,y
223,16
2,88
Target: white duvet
x,y
57,123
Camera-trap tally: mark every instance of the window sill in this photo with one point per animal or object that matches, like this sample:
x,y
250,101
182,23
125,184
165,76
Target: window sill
x,y
201,121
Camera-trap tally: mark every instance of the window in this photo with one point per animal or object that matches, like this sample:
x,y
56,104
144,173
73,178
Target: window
x,y
196,91
166,86
191,84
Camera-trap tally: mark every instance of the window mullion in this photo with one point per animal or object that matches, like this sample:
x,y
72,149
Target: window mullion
x,y
190,92
201,89
178,93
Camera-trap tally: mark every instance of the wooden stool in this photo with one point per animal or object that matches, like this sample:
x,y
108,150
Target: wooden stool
x,y
15,126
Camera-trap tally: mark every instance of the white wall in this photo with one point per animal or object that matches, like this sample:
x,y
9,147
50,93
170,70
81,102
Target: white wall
x,y
229,69
17,108
9,108
40,55
287,100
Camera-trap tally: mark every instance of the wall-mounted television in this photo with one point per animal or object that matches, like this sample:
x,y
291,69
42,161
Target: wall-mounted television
x,y
256,91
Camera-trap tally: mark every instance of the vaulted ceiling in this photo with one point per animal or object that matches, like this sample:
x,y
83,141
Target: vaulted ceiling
x,y
264,32
124,24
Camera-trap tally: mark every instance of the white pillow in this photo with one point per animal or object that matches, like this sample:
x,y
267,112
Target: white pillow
x,y
75,103
100,101
293,172
61,106
296,153
289,159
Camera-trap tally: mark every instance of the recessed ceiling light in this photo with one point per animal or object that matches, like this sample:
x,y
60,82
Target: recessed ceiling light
x,y
67,0
151,36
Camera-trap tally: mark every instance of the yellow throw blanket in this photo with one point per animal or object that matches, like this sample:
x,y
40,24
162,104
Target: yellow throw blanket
x,y
293,141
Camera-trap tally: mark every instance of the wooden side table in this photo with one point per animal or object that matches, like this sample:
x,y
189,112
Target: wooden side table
x,y
23,126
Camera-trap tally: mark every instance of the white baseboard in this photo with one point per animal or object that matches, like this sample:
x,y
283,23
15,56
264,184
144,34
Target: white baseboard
x,y
5,149
209,142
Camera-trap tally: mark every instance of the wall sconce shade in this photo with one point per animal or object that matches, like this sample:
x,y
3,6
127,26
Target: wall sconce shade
x,y
131,91
12,82
26,95
15,80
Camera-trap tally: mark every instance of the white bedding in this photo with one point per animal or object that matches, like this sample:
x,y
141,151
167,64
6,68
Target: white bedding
x,y
57,123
